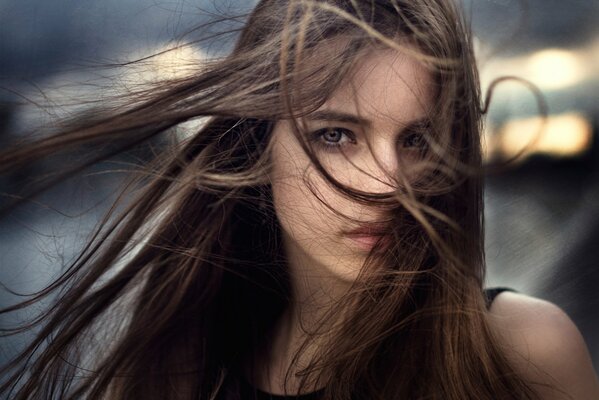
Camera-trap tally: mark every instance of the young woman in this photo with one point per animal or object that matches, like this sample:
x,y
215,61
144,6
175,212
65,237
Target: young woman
x,y
319,236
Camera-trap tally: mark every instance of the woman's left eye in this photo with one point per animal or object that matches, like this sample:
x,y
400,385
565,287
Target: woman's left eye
x,y
331,138
414,140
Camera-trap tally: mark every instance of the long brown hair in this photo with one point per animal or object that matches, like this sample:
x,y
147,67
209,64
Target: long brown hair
x,y
174,293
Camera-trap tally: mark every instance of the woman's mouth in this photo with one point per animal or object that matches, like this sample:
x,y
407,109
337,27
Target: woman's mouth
x,y
366,236
364,242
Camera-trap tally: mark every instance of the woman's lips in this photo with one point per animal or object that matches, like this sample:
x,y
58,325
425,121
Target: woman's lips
x,y
365,237
364,242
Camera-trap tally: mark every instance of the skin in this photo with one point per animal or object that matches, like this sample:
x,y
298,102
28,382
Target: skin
x,y
390,93
545,347
388,96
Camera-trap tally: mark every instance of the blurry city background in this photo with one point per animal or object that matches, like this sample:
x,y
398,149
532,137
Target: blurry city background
x,y
542,218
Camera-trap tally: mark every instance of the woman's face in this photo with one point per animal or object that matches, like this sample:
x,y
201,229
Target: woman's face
x,y
378,114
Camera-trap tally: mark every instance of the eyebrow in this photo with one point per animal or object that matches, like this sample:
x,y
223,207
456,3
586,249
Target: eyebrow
x,y
339,116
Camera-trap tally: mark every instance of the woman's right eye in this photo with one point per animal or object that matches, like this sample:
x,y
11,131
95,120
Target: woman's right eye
x,y
333,138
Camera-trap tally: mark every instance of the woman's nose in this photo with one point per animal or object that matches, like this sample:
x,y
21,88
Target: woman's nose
x,y
381,168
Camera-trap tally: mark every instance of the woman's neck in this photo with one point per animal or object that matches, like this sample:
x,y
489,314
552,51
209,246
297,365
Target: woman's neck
x,y
307,317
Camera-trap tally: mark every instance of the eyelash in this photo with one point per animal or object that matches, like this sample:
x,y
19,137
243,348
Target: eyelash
x,y
317,137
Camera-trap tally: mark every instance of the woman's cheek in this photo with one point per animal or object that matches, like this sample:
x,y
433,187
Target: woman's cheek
x,y
298,210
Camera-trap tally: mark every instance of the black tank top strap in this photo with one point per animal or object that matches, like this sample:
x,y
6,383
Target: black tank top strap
x,y
491,293
249,392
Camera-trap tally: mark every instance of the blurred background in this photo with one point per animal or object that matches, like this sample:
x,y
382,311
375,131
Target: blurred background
x,y
542,218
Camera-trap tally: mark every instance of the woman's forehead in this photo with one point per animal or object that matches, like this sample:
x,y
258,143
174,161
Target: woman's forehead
x,y
386,84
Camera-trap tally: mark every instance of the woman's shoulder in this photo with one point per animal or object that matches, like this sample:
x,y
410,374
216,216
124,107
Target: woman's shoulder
x,y
545,345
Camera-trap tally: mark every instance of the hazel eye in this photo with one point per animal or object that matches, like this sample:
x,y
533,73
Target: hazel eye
x,y
332,135
331,138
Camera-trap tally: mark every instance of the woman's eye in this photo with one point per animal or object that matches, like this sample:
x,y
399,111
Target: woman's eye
x,y
414,140
333,137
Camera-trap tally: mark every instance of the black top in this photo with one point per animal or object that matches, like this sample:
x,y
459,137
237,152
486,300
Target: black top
x,y
250,392
491,293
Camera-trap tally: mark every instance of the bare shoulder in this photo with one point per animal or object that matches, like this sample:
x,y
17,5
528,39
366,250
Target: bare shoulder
x,y
545,346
